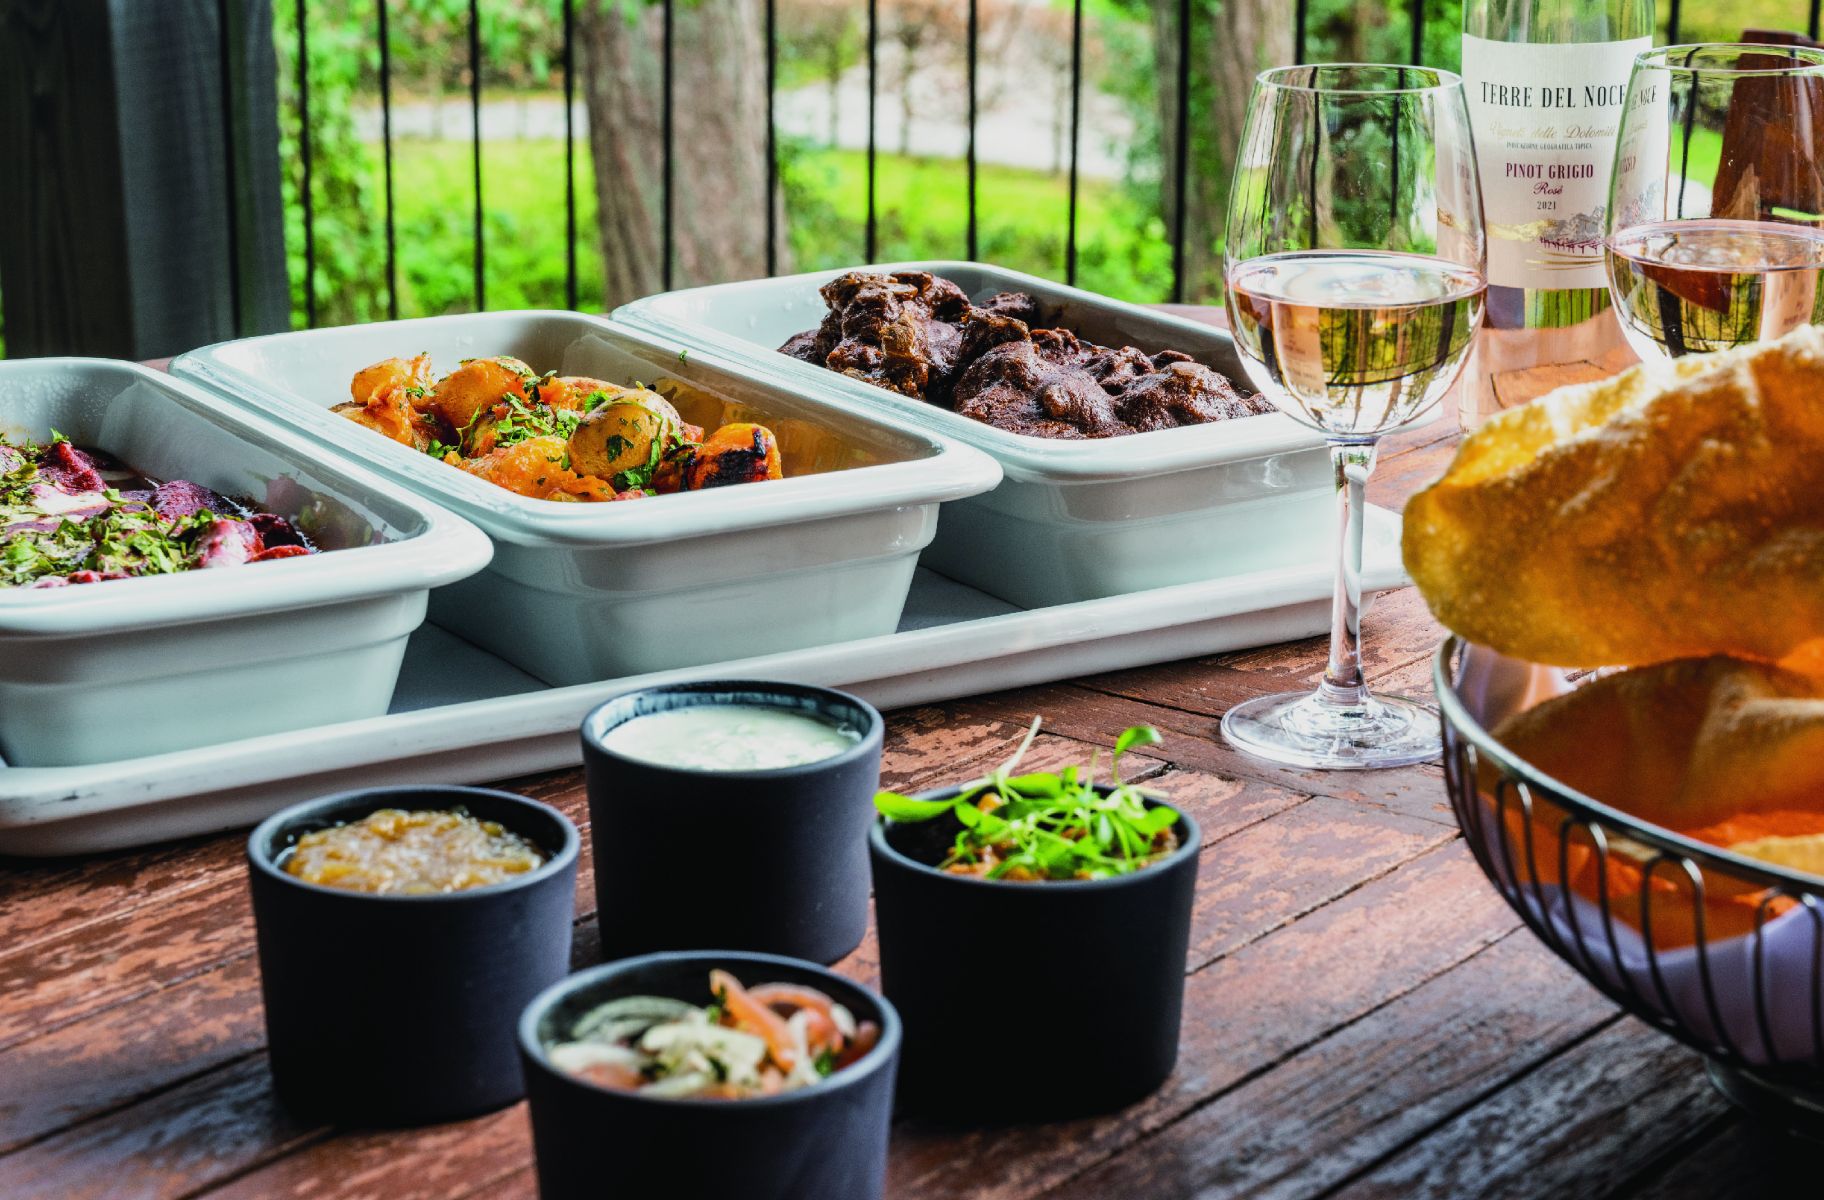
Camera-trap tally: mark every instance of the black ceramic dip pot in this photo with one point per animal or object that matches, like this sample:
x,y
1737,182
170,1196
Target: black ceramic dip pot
x,y
387,1009
773,861
1088,975
827,1141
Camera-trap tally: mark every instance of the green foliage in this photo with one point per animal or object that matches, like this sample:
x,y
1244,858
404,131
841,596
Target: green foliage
x,y
922,211
1123,239
523,184
344,196
1724,20
522,45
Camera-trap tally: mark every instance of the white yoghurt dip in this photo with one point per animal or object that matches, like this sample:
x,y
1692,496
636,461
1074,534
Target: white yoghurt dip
x,y
730,737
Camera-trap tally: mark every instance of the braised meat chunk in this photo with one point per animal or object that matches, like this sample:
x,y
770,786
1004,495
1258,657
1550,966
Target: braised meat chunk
x,y
1018,305
814,345
1020,388
898,331
1184,393
914,333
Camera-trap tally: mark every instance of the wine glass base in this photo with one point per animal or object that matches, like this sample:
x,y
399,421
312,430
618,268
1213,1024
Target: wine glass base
x,y
1300,729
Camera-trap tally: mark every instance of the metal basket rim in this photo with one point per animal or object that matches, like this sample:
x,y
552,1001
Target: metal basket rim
x,y
1588,808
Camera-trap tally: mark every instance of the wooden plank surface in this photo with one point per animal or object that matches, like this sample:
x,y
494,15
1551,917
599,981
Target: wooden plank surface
x,y
1364,1017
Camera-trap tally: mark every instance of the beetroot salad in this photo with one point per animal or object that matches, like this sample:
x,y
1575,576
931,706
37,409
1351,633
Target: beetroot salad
x,y
74,516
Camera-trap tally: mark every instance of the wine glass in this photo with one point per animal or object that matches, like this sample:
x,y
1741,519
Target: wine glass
x,y
1355,261
1715,228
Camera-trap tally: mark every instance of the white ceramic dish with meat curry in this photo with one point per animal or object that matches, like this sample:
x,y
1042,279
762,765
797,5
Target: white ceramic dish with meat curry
x,y
1078,517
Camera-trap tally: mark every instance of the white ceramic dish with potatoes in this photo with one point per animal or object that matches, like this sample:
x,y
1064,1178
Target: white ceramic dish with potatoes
x,y
1073,520
591,591
129,667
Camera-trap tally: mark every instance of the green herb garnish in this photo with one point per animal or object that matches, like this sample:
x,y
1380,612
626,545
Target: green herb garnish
x,y
125,538
1041,825
522,421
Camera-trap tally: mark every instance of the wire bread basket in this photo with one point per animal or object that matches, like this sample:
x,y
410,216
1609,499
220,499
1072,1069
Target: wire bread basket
x,y
1723,952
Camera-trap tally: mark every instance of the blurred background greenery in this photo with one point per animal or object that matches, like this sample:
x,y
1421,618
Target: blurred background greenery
x,y
1125,209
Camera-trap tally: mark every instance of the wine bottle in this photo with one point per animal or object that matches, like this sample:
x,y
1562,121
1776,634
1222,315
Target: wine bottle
x,y
1545,81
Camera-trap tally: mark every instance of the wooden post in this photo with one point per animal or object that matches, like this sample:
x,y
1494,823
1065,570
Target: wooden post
x,y
144,217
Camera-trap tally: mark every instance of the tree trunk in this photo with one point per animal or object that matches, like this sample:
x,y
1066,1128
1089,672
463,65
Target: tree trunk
x,y
719,131
908,102
1232,41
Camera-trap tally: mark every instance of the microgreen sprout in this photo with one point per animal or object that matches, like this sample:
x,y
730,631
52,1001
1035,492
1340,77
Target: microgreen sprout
x,y
1041,825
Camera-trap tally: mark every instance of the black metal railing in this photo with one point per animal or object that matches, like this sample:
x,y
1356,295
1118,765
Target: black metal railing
x,y
1419,14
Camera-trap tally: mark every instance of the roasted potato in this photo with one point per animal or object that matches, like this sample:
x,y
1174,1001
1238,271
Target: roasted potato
x,y
568,392
629,433
534,467
476,386
391,414
387,375
738,453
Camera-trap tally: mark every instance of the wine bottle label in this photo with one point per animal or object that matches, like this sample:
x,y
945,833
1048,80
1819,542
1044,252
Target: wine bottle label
x,y
1545,118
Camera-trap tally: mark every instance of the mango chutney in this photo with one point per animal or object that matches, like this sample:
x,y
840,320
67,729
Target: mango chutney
x,y
395,852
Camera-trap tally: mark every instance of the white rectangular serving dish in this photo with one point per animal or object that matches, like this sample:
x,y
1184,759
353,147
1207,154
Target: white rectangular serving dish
x,y
463,715
132,667
1073,520
581,592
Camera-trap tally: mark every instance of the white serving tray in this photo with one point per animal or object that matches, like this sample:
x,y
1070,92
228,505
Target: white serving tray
x,y
461,715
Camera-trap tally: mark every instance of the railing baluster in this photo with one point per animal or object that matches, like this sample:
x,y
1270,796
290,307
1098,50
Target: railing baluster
x,y
1076,138
310,214
386,159
772,140
1182,154
973,58
873,90
1416,51
668,134
1811,21
570,297
1672,24
481,284
230,173
1300,14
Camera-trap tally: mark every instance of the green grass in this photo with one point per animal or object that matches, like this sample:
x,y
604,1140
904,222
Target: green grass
x,y
922,207
1724,20
522,185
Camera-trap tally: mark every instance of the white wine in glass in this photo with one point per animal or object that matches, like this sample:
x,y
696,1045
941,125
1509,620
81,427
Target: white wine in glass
x,y
1355,279
1689,287
1715,234
1361,341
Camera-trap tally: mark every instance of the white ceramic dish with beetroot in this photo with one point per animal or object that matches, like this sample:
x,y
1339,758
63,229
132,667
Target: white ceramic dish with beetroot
x,y
120,668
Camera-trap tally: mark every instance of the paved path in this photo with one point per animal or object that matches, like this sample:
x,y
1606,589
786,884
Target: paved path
x,y
1024,129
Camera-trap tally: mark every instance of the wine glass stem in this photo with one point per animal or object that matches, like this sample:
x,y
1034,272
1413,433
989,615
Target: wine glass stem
x,y
1352,462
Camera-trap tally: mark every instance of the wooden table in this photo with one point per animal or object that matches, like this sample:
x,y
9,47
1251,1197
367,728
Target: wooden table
x,y
1364,1017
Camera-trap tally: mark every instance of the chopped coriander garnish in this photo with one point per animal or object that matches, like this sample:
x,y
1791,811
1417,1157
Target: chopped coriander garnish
x,y
110,536
521,421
